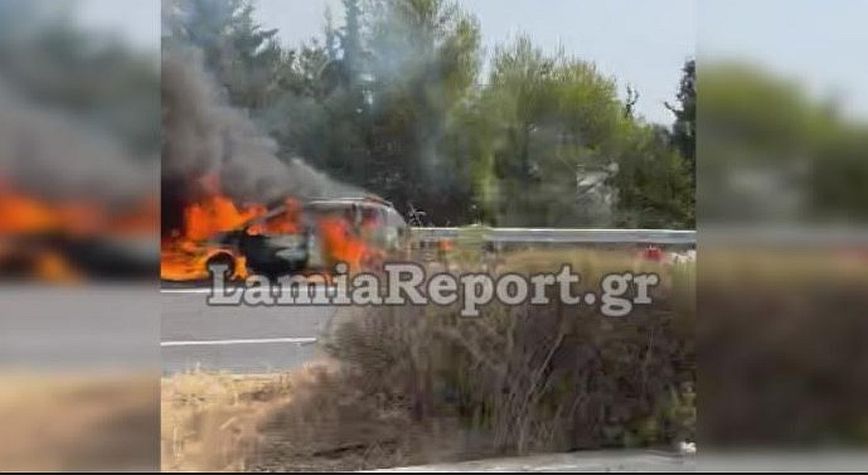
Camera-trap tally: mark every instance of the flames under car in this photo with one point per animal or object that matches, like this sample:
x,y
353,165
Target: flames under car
x,y
357,231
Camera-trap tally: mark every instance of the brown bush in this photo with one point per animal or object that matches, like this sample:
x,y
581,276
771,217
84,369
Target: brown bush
x,y
534,378
783,356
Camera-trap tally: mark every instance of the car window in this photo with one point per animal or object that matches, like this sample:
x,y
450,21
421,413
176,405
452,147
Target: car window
x,y
372,216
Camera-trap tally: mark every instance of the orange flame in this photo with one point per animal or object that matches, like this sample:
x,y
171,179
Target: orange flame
x,y
342,244
339,243
286,222
185,253
24,216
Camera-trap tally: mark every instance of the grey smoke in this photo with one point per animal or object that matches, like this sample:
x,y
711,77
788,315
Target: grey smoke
x,y
50,153
203,135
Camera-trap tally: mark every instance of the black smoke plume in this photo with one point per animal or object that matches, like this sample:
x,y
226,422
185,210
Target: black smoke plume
x,y
204,136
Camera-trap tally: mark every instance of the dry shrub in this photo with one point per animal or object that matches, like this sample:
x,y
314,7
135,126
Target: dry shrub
x,y
783,353
534,378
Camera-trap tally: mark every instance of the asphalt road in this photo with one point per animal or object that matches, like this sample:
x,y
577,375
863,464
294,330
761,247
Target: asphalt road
x,y
115,327
240,339
79,328
617,460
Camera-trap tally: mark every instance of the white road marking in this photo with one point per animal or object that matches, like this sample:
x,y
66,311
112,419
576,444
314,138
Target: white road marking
x,y
239,341
206,290
192,290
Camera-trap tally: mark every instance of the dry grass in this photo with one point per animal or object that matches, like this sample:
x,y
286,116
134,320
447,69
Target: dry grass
x,y
313,418
65,421
209,420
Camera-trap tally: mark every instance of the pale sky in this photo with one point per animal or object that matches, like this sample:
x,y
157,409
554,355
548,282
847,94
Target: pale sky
x,y
823,44
137,22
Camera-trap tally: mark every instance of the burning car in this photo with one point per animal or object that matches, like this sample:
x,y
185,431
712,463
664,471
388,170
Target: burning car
x,y
358,232
70,240
294,237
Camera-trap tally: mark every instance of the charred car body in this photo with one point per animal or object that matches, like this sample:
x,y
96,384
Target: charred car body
x,y
314,236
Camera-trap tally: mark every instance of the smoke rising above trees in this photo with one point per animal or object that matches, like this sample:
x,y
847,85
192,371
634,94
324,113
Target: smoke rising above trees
x,y
393,101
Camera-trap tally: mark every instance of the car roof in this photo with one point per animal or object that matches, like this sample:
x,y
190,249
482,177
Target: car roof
x,y
393,218
358,201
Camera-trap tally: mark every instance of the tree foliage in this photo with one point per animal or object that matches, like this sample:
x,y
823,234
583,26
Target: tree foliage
x,y
773,152
394,101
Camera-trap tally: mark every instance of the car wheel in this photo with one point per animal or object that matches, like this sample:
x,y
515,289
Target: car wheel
x,y
222,259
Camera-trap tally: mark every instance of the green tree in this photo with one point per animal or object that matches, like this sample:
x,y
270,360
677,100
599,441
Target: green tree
x,y
555,146
684,128
683,138
653,182
773,152
422,60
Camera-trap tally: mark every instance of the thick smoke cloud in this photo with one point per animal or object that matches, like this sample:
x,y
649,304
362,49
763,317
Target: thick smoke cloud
x,y
203,136
53,155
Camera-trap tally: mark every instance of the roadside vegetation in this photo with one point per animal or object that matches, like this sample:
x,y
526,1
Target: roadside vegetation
x,y
412,385
69,421
408,386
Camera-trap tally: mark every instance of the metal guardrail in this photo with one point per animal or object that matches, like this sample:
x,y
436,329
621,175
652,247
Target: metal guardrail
x,y
565,236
